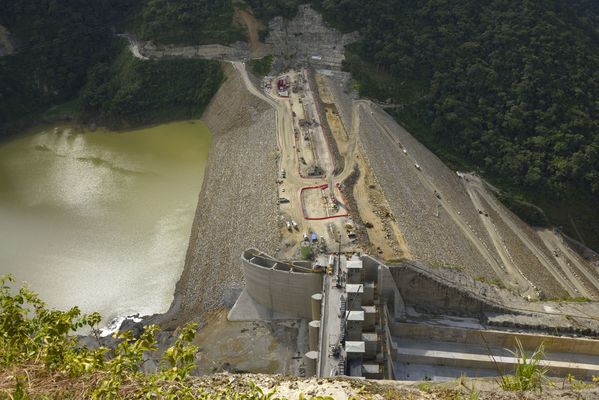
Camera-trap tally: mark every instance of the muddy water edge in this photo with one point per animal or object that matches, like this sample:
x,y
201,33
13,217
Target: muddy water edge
x,y
101,219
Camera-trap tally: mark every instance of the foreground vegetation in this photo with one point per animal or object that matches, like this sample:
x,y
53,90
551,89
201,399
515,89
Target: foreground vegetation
x,y
40,358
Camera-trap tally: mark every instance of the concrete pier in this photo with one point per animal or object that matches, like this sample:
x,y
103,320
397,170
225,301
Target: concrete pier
x,y
310,359
316,301
313,334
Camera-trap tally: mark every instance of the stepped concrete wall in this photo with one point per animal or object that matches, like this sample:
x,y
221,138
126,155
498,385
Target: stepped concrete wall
x,y
280,288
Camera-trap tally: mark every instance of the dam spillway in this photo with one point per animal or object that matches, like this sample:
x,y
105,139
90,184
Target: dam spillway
x,y
411,322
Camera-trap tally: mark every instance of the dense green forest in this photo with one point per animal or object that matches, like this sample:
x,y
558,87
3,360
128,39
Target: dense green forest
x,y
509,88
57,42
62,47
188,22
133,92
267,9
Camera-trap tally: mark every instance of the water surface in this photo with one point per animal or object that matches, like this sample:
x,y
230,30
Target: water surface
x,y
101,219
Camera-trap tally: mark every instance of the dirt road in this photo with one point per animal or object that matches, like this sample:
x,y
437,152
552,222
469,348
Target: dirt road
x,y
475,188
253,26
586,281
293,182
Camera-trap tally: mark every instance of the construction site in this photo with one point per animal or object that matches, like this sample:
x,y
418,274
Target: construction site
x,y
362,253
465,279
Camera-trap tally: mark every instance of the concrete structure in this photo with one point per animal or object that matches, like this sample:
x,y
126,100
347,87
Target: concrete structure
x,y
316,301
409,322
282,287
313,334
412,322
310,359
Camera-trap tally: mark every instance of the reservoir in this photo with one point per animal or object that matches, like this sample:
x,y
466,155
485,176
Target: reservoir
x,y
101,219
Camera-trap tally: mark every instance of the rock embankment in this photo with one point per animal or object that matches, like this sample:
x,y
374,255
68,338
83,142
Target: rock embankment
x,y
236,51
237,207
306,38
434,240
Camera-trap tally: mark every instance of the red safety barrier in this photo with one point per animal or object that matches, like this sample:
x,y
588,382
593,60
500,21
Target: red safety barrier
x,y
323,186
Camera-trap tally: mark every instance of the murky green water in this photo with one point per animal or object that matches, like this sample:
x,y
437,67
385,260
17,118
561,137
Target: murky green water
x,y
101,219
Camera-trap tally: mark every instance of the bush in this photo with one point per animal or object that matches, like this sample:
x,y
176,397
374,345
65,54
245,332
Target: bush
x,y
262,65
529,374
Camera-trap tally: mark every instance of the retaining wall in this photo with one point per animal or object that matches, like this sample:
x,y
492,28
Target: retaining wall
x,y
285,291
507,340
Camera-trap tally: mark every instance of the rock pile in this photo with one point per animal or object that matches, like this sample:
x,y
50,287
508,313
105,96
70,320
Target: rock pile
x,y
307,39
435,240
237,207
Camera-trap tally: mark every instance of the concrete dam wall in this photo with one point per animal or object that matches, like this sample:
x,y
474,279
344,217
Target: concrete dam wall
x,y
282,287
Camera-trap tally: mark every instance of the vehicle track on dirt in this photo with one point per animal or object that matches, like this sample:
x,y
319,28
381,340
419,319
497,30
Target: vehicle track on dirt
x,y
572,286
570,263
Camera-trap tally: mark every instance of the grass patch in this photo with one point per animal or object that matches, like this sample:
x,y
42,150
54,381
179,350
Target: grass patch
x,y
444,265
579,299
490,281
67,109
529,374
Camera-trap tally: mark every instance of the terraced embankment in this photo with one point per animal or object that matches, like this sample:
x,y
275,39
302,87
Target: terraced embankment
x,y
238,203
453,220
433,239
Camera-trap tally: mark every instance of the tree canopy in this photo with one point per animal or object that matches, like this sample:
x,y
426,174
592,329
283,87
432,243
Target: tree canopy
x,y
188,22
64,46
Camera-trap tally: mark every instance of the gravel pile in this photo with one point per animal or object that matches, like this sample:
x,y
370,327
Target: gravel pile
x,y
432,239
338,86
237,207
326,129
347,190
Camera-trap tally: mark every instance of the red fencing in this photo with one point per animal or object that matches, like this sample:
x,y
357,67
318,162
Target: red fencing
x,y
323,186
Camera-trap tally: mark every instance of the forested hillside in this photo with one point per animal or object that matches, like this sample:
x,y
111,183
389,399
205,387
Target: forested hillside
x,y
188,22
509,88
62,46
133,92
57,42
